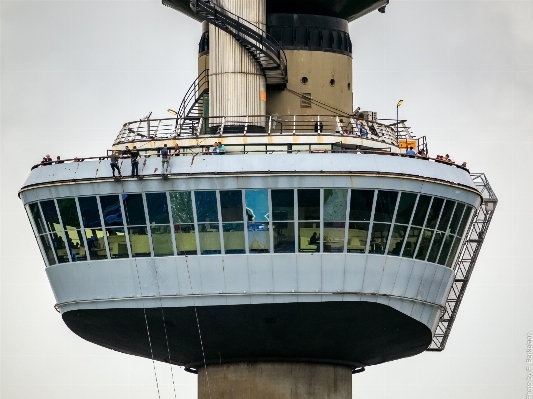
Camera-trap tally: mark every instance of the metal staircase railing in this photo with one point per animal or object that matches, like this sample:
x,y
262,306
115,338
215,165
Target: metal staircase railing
x,y
264,49
466,260
191,108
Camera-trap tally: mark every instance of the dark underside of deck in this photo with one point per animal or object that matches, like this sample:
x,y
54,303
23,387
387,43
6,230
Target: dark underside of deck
x,y
352,333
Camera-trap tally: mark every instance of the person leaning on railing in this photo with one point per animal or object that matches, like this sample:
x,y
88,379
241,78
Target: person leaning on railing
x,y
114,163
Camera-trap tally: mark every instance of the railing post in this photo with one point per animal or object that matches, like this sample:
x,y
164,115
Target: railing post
x,y
269,123
294,124
246,125
199,127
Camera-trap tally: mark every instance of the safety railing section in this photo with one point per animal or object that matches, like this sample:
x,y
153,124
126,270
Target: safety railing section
x,y
170,128
264,49
193,95
466,260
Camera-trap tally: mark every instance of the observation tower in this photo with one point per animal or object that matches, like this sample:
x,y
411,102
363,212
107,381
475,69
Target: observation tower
x,y
308,247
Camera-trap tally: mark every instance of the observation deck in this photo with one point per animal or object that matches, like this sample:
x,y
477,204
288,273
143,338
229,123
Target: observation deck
x,y
287,231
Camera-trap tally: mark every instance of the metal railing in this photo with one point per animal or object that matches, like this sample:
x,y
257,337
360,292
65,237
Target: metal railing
x,y
466,260
171,128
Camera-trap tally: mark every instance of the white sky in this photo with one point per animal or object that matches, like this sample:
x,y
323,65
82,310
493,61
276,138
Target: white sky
x,y
72,72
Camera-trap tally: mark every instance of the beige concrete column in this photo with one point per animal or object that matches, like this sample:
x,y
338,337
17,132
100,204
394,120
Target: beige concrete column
x,y
236,82
275,381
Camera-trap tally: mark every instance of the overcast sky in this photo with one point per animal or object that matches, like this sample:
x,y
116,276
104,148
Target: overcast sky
x,y
72,72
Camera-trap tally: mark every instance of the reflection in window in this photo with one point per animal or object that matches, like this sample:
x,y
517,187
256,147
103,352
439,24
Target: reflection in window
x,y
134,209
357,236
116,240
181,206
69,213
385,204
157,206
257,216
47,249
283,220
361,205
456,218
444,252
308,204
140,246
89,212
421,210
111,210
231,206
446,215
76,245
60,247
185,239
50,216
435,247
453,252
424,244
335,203
209,241
37,219
378,238
95,243
206,206
466,217
434,212
397,239
405,208
411,242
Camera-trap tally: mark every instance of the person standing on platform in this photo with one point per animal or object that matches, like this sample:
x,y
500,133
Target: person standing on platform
x,y
176,150
134,162
410,152
221,149
114,163
127,152
165,158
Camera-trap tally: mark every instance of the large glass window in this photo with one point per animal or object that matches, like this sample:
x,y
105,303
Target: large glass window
x,y
335,203
385,204
405,208
361,202
68,211
257,218
207,215
113,221
37,219
421,210
158,217
42,235
434,212
90,217
283,220
51,219
231,210
136,222
183,222
309,220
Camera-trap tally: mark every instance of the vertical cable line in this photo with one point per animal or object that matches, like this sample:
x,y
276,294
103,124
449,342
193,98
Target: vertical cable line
x,y
148,331
198,325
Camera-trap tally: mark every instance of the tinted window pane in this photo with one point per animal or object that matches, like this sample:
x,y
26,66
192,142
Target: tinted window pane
x,y
233,234
69,213
90,216
357,236
140,246
446,215
423,249
96,243
335,202
47,248
134,209
37,219
445,249
411,242
308,204
117,242
206,206
111,210
162,241
434,212
453,252
361,205
60,247
385,204
378,238
209,242
282,205
231,206
435,247
181,207
257,205
76,246
405,208
157,206
50,215
464,221
456,218
334,236
421,210
309,238
397,239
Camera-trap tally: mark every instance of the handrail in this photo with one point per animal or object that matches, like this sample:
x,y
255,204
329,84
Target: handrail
x,y
198,150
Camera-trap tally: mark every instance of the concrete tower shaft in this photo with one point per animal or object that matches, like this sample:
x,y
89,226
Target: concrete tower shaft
x,y
236,83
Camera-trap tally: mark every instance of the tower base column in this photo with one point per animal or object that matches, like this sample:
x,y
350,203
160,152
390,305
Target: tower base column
x,y
275,381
